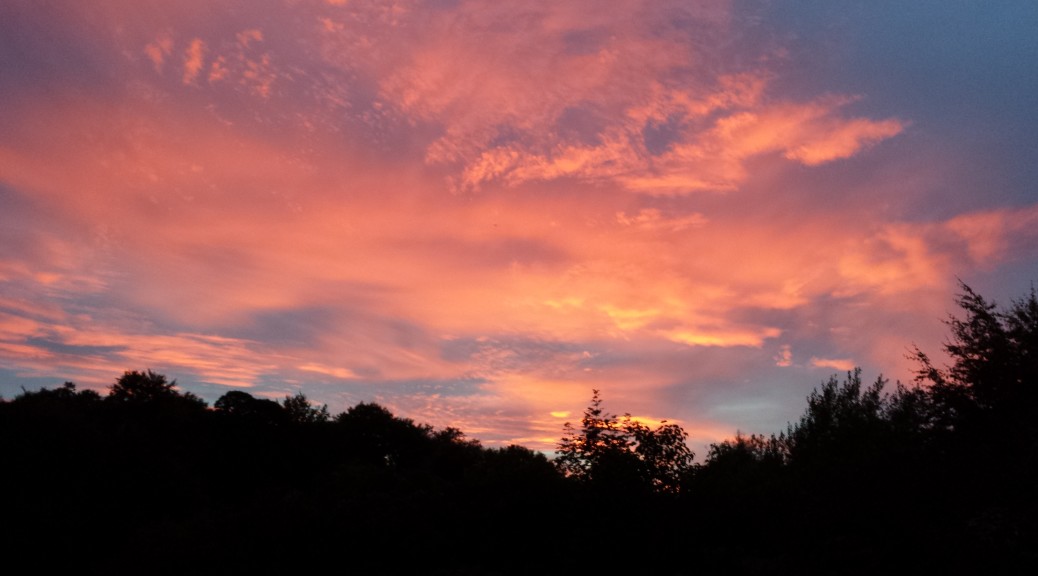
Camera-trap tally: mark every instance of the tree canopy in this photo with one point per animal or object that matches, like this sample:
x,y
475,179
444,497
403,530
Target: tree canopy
x,y
147,387
622,453
992,380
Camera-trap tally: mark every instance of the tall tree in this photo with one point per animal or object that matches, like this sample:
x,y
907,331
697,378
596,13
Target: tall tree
x,y
992,381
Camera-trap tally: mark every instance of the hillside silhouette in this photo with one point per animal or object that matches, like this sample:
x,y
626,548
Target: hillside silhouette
x,y
935,476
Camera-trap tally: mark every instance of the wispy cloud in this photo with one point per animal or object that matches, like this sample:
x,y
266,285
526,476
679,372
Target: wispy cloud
x,y
590,110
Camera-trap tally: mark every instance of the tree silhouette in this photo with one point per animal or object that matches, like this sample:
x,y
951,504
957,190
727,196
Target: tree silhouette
x,y
301,411
664,456
992,381
841,421
243,406
148,387
608,451
599,443
745,472
984,413
66,398
374,436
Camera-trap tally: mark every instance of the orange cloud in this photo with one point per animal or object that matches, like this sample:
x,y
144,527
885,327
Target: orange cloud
x,y
810,133
729,337
994,235
158,49
843,140
834,363
193,60
342,373
895,259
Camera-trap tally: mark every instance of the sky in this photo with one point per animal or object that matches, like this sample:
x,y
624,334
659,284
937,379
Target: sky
x,y
476,212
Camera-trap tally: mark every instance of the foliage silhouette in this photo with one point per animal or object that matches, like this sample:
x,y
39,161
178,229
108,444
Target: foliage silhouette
x,y
611,453
244,406
374,436
745,460
842,421
135,387
301,411
992,382
583,454
983,409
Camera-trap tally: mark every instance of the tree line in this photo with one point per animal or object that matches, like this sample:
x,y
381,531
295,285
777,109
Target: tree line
x,y
937,475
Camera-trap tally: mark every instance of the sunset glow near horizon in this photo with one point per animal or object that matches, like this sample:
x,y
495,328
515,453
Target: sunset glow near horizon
x,y
475,212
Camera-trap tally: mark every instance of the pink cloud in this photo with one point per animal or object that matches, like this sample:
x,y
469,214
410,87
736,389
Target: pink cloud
x,y
456,81
993,236
158,50
843,140
834,363
701,159
213,268
193,60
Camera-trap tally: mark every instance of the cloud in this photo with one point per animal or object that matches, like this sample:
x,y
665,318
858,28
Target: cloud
x,y
652,219
633,97
995,235
699,157
159,49
713,337
218,69
715,158
834,363
894,259
812,133
580,107
92,353
341,373
193,60
842,141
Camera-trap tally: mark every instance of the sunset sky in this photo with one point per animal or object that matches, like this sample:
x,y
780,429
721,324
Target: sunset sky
x,y
474,212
